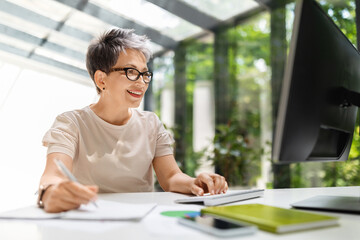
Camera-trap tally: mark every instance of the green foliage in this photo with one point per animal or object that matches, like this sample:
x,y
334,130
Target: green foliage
x,y
297,180
343,14
199,66
235,149
248,43
199,60
192,158
252,40
234,156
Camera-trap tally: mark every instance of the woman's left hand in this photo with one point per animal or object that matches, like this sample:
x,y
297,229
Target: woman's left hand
x,y
209,183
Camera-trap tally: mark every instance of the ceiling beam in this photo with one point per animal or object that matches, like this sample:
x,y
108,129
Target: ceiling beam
x,y
61,65
233,21
65,51
13,50
116,20
42,59
41,20
14,33
273,4
28,38
187,12
242,17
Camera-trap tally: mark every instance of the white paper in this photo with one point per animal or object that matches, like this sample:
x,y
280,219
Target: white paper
x,y
110,210
31,212
107,210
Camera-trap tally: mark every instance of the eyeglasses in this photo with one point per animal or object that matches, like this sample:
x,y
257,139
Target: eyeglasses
x,y
133,74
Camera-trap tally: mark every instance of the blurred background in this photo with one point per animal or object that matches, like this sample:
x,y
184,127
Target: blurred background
x,y
218,69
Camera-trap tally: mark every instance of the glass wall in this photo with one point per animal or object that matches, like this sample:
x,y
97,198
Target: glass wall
x,y
240,148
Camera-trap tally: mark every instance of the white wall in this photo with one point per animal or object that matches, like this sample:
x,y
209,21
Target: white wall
x,y
29,102
204,121
168,107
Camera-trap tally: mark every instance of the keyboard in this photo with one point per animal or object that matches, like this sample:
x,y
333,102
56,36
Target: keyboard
x,y
228,197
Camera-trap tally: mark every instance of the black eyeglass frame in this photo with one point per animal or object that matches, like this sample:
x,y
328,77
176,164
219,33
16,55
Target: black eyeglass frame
x,y
138,76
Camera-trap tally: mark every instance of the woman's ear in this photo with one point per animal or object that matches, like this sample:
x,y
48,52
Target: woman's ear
x,y
100,77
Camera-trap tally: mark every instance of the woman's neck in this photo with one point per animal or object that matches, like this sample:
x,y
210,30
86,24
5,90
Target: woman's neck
x,y
109,112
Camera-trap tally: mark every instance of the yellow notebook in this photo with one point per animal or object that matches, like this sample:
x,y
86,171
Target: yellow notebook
x,y
272,219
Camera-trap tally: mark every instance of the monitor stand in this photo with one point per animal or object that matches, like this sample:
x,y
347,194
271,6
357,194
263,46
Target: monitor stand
x,y
331,203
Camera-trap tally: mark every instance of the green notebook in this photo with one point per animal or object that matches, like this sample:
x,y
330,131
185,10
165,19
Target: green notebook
x,y
272,219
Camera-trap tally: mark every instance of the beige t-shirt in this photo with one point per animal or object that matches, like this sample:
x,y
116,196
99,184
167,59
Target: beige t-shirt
x,y
116,158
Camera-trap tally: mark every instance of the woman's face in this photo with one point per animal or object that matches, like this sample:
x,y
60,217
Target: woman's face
x,y
121,90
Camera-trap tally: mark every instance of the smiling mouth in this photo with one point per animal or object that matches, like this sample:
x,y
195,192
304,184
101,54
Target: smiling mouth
x,y
134,93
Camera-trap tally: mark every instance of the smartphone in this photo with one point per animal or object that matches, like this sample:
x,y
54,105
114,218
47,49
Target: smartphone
x,y
219,227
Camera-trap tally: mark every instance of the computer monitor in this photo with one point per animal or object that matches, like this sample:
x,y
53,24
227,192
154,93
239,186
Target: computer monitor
x,y
320,92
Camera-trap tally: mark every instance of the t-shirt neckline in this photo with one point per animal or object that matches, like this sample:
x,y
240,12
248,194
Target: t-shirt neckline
x,y
109,125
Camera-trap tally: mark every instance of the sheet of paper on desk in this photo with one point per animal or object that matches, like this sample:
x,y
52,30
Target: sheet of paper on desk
x,y
107,210
31,212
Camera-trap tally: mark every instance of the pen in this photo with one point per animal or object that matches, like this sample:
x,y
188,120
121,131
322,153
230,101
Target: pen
x,y
68,174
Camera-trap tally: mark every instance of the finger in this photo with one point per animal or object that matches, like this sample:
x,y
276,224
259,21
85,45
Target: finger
x,y
196,190
67,205
219,183
58,204
201,185
80,191
62,193
226,187
208,181
93,188
61,206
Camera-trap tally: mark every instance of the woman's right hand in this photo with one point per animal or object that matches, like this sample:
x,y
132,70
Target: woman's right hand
x,y
68,195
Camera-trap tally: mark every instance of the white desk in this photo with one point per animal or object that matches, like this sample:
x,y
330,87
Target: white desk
x,y
155,226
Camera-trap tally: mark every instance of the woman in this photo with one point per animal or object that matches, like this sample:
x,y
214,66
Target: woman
x,y
110,146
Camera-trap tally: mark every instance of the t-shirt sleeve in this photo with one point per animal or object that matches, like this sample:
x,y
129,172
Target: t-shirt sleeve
x,y
62,136
164,141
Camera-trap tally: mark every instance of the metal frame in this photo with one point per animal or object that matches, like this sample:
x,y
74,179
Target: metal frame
x,y
176,7
41,20
116,20
9,31
42,59
188,13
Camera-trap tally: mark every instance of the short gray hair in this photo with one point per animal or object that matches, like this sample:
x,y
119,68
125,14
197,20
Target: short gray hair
x,y
103,52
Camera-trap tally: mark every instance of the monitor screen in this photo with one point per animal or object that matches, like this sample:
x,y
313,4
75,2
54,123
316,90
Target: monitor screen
x,y
317,112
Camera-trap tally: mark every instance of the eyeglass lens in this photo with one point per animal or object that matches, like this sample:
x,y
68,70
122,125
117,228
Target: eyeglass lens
x,y
134,75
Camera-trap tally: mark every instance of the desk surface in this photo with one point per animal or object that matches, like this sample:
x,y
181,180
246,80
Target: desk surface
x,y
156,226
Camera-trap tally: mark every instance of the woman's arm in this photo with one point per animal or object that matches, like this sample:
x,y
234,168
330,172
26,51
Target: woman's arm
x,y
172,179
63,195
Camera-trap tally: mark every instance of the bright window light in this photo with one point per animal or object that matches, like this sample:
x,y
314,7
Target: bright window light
x,y
29,103
151,15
